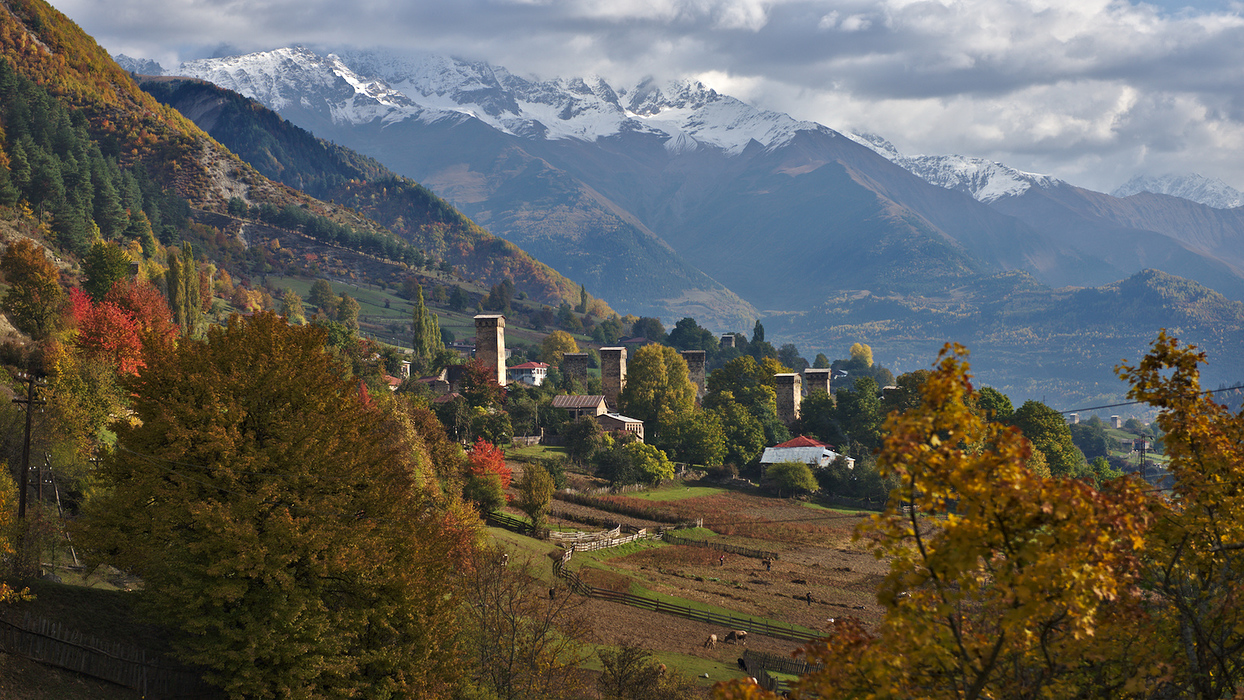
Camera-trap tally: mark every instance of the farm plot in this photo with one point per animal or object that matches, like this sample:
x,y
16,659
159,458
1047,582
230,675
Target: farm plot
x,y
815,555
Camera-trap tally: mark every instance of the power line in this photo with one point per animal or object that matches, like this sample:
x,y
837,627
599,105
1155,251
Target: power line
x,y
1133,403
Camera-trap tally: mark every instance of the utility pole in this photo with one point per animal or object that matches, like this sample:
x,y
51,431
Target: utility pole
x,y
31,401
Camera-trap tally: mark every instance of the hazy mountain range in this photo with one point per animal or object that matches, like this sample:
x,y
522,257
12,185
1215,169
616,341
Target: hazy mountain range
x,y
668,198
674,200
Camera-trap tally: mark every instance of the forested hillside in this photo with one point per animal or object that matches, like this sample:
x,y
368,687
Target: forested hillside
x,y
329,172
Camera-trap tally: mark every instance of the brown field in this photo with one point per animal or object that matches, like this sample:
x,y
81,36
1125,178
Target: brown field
x,y
815,554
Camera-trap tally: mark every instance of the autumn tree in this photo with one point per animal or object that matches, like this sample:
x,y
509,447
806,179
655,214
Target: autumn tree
x,y
657,385
280,525
291,308
485,458
480,386
1195,551
555,345
1002,583
8,533
34,298
518,641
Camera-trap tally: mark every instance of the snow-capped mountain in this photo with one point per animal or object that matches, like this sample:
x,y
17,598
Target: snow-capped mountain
x,y
138,66
986,181
363,86
675,200
1209,191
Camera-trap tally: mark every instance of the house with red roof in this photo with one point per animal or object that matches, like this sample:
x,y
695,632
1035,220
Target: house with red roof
x,y
804,449
529,373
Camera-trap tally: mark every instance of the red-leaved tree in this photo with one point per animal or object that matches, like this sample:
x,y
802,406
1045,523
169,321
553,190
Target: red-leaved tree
x,y
117,328
486,458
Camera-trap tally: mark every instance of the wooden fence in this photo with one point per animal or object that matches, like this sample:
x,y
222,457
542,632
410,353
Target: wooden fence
x,y
729,621
509,522
50,643
575,537
760,666
721,546
640,513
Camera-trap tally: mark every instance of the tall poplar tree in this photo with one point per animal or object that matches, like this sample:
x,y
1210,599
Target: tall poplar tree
x,y
176,289
190,296
426,338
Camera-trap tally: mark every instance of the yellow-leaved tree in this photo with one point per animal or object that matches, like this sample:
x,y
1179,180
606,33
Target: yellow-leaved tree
x,y
1002,583
1194,565
285,527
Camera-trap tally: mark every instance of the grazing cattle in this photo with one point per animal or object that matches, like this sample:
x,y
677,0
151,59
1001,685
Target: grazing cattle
x,y
737,636
742,665
711,642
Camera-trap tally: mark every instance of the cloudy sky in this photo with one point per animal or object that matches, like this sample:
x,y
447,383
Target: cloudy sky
x,y
1092,91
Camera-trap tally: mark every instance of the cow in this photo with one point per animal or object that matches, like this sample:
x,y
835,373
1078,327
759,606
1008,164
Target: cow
x,y
737,636
711,642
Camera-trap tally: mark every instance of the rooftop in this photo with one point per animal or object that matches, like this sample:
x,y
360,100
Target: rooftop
x,y
577,401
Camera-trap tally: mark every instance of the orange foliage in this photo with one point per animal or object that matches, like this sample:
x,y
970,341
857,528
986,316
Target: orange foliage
x,y
130,316
485,458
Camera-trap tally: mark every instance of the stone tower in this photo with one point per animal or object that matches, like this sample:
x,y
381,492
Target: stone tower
x,y
574,366
789,394
613,374
490,343
727,341
817,380
695,369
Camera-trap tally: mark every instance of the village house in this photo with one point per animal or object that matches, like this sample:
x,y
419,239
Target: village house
x,y
815,454
529,373
578,406
616,422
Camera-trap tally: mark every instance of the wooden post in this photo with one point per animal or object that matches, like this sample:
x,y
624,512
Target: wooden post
x,y
30,402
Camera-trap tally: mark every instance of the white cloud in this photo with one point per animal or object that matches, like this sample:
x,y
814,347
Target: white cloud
x,y
1089,90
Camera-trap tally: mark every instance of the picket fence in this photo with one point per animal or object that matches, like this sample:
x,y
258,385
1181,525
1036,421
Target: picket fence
x,y
51,643
575,537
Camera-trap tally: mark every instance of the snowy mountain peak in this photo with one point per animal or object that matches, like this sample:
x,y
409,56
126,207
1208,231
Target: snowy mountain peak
x,y
1209,191
985,180
648,99
361,86
138,66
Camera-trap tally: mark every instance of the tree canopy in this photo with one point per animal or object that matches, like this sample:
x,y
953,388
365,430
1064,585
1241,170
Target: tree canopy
x,y
281,524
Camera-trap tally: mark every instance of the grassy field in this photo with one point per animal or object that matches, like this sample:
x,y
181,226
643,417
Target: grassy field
x,y
677,493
